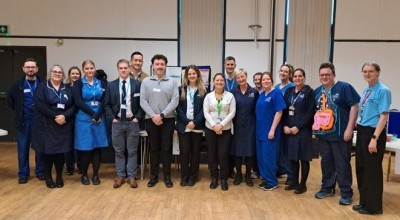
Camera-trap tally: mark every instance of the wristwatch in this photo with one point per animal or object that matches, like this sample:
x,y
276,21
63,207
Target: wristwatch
x,y
162,115
374,137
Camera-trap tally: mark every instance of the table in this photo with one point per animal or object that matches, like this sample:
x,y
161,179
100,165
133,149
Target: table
x,y
3,132
391,147
144,149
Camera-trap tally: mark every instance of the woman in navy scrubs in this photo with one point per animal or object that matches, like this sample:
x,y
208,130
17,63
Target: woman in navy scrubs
x,y
244,141
269,108
297,121
55,110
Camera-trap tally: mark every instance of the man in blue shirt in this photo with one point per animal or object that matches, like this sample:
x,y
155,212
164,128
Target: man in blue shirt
x,y
336,142
20,101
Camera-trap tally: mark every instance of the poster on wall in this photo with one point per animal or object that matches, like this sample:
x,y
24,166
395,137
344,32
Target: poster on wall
x,y
205,72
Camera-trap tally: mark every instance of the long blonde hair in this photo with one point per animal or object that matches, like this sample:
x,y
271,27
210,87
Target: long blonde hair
x,y
199,84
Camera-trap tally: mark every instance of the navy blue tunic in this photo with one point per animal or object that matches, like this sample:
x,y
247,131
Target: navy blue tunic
x,y
299,146
48,136
244,123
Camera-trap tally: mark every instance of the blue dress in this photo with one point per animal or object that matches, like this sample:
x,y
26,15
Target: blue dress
x,y
244,140
89,134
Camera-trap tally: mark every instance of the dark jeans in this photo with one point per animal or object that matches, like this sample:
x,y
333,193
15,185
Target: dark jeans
x,y
189,153
160,139
23,144
218,153
369,169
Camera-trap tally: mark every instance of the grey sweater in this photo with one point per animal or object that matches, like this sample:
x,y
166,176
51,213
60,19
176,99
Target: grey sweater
x,y
159,96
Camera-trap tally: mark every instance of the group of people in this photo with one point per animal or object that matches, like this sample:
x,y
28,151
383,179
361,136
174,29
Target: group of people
x,y
268,127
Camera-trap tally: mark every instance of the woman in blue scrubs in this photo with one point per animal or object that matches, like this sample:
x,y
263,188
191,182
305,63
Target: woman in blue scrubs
x,y
269,108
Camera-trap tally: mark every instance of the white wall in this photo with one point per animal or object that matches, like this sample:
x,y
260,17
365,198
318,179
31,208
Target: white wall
x,y
368,20
73,18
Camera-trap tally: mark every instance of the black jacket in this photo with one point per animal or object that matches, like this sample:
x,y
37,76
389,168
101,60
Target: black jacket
x,y
113,103
15,101
198,113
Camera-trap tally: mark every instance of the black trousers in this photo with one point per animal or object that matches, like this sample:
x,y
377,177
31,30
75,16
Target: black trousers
x,y
218,153
369,169
189,153
160,139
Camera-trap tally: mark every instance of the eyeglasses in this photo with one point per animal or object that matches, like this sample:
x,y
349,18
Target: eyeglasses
x,y
57,72
325,75
30,67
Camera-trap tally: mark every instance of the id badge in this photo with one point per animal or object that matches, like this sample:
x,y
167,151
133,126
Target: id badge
x,y
291,112
218,120
61,106
94,103
27,90
123,106
358,120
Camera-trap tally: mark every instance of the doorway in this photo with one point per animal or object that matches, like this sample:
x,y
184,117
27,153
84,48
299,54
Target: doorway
x,y
11,61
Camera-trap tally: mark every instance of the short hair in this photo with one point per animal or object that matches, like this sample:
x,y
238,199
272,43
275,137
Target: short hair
x,y
241,70
375,65
230,58
87,62
270,76
30,60
136,53
122,61
101,75
327,65
61,68
159,57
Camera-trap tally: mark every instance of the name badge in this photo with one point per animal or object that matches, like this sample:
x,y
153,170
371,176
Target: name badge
x,y
291,112
123,106
136,94
218,121
27,90
94,103
156,90
358,120
61,106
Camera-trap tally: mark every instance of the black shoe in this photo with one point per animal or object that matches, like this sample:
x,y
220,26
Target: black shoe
x,y
192,181
224,185
300,189
291,187
153,181
214,183
238,179
95,180
85,180
249,181
184,182
50,183
168,182
365,212
22,180
357,207
41,177
232,175
59,183
289,182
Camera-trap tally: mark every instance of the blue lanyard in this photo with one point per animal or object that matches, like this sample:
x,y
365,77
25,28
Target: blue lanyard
x,y
32,89
191,94
227,83
295,99
58,94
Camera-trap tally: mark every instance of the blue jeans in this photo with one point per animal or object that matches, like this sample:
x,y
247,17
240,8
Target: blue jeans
x,y
23,144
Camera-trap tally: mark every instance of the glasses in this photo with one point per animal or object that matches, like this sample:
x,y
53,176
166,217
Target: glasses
x,y
325,75
30,67
57,72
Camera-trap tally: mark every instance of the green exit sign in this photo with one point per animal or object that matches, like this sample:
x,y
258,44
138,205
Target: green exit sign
x,y
4,29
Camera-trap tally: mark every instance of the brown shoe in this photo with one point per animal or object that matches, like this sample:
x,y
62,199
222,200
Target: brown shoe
x,y
118,181
132,182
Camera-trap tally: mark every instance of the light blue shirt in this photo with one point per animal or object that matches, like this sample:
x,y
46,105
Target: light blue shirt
x,y
374,101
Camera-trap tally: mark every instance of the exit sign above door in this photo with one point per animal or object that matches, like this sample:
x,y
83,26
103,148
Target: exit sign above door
x,y
4,29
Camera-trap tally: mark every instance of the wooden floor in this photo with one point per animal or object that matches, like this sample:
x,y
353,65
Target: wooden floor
x,y
75,201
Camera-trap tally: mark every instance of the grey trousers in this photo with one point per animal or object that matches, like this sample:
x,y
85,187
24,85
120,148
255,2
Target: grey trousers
x,y
125,135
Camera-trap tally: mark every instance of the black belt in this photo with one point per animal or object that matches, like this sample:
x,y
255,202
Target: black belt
x,y
126,119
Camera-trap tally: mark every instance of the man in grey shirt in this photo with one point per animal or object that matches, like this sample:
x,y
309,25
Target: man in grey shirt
x,y
159,98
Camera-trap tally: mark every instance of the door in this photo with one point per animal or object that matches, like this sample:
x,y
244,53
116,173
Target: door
x,y
11,61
